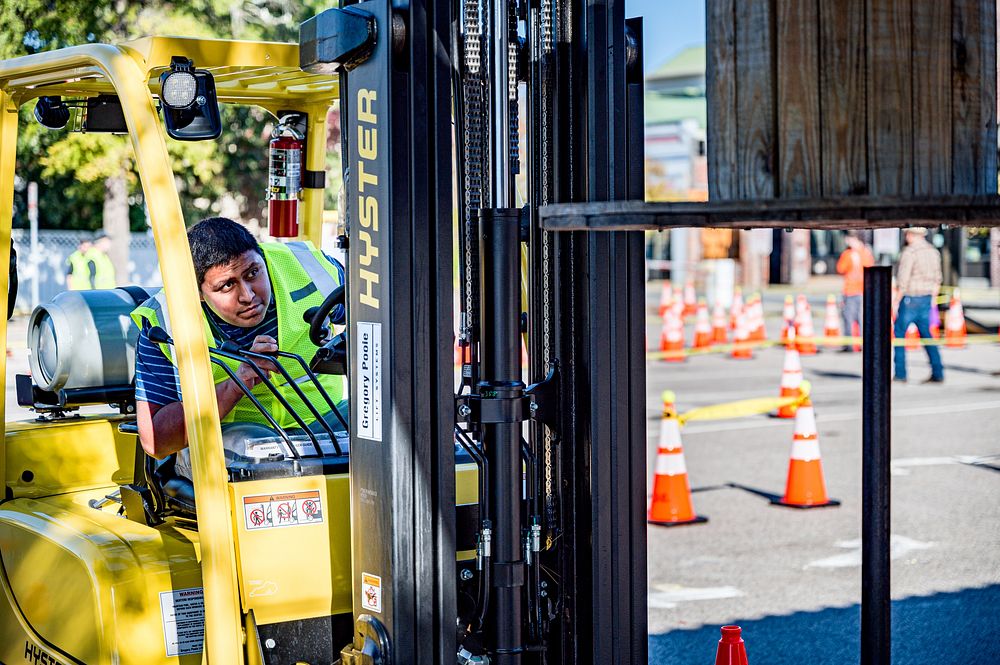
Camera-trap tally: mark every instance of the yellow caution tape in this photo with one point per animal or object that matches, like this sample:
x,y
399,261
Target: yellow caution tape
x,y
744,407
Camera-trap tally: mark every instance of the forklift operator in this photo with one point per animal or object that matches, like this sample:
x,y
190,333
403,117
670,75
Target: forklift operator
x,y
254,295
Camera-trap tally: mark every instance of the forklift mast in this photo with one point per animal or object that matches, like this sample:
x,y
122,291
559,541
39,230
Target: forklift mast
x,y
431,98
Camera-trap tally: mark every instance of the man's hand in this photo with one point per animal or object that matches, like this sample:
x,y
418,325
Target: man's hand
x,y
261,344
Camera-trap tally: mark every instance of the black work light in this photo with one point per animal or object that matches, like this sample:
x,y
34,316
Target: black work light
x,y
187,97
51,112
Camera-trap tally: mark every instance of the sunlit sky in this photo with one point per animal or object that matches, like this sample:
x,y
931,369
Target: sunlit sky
x,y
668,26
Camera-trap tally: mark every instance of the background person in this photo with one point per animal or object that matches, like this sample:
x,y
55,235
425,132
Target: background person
x,y
103,270
851,265
919,280
79,275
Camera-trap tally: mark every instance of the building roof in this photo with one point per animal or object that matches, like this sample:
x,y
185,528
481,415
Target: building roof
x,y
688,63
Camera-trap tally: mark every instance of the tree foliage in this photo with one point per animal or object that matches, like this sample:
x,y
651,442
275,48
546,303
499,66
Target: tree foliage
x,y
71,167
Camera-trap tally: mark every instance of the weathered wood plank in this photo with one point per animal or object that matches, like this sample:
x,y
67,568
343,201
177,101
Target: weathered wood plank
x,y
755,100
721,96
890,99
825,213
972,111
842,104
988,101
931,75
798,128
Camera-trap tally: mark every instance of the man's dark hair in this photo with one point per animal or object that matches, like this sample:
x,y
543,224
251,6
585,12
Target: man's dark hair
x,y
217,241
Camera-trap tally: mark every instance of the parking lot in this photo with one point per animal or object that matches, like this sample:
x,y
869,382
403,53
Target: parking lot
x,y
792,578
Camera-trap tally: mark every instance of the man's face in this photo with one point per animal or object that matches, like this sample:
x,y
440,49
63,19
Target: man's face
x,y
239,291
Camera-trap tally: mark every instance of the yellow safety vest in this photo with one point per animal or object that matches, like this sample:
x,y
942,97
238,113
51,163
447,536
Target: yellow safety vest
x,y
104,269
79,275
301,277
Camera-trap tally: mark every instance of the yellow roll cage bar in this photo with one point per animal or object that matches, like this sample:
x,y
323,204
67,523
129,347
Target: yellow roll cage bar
x,y
266,74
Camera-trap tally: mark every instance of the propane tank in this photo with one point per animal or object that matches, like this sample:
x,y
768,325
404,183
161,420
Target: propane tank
x,y
83,339
284,178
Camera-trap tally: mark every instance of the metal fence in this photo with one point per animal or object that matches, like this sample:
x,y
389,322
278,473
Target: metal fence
x,y
48,265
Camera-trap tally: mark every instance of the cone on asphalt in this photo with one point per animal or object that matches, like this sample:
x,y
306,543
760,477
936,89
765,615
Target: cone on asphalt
x,y
741,339
671,503
702,328
805,487
732,650
672,336
787,319
758,333
831,322
954,323
690,299
934,321
791,379
912,338
666,297
805,334
736,308
720,325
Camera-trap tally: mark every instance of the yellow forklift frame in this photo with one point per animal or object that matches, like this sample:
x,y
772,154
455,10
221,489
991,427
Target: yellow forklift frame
x,y
265,74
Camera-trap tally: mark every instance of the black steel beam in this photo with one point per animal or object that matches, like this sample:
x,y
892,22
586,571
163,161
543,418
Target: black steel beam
x,y
876,429
832,213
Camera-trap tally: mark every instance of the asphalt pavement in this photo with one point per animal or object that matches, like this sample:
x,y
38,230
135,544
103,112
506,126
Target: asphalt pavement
x,y
792,578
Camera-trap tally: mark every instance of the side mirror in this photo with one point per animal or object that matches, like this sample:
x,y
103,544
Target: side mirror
x,y
190,106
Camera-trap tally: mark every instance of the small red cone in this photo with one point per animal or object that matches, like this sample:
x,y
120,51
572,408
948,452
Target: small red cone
x,y
954,323
672,336
787,319
732,650
690,299
805,334
666,297
791,379
671,503
720,326
805,487
831,323
702,327
737,307
741,339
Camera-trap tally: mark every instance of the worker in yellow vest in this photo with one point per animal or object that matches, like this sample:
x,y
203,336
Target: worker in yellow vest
x,y
254,295
79,276
103,268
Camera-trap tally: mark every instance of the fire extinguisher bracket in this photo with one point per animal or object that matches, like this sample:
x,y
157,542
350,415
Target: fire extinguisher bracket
x,y
313,179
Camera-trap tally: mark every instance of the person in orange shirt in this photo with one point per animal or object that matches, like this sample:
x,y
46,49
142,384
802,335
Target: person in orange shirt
x,y
851,265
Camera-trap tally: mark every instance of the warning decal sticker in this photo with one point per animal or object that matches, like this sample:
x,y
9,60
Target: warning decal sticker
x,y
371,592
183,613
269,511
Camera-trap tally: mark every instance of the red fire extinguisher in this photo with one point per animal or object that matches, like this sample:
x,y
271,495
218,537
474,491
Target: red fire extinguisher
x,y
284,178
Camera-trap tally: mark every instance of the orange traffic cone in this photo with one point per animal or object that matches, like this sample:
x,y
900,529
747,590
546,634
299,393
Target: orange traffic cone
x,y
671,504
805,334
737,307
702,327
791,379
787,319
912,338
720,327
954,323
690,299
732,650
666,297
805,487
741,339
755,319
831,323
672,337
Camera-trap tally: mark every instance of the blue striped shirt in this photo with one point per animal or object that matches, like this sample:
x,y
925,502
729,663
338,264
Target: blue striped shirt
x,y
156,378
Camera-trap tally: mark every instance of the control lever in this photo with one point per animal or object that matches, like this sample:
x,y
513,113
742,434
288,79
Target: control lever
x,y
158,335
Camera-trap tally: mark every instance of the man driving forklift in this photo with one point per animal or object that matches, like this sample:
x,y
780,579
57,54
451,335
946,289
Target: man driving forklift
x,y
256,297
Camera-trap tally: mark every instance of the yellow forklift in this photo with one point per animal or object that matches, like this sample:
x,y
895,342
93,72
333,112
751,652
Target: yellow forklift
x,y
106,556
494,518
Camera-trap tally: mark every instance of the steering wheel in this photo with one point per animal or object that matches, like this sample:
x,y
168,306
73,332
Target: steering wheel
x,y
317,317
